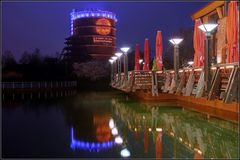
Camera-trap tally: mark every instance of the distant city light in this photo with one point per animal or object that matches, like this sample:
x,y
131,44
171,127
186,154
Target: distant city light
x,y
125,153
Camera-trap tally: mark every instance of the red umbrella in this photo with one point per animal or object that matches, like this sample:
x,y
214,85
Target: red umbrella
x,y
159,146
232,32
198,44
146,55
137,58
146,140
159,50
202,48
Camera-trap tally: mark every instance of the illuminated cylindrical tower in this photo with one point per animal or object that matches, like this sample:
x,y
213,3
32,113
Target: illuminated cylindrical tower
x,y
95,31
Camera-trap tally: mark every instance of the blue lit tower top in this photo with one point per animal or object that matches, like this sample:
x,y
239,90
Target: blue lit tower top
x,y
95,13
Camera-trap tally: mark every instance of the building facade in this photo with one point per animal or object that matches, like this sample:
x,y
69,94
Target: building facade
x,y
93,35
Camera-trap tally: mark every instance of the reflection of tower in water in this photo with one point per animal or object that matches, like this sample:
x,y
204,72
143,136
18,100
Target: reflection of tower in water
x,y
90,131
101,125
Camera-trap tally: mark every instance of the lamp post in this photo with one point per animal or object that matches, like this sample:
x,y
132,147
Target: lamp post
x,y
208,28
111,62
119,54
176,42
125,50
114,58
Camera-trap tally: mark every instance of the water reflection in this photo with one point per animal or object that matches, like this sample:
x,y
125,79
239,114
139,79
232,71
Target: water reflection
x,y
90,146
110,125
184,133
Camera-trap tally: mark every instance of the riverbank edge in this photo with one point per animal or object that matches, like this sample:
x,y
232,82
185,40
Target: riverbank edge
x,y
212,108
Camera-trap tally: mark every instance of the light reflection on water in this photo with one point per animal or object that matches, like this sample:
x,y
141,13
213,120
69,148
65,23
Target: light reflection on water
x,y
90,146
111,125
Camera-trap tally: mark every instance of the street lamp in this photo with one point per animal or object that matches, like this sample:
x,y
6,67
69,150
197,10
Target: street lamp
x,y
208,28
119,54
176,42
114,58
125,50
190,63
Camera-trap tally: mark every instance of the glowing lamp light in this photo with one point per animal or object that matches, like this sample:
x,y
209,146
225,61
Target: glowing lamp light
x,y
114,58
111,123
125,153
198,150
118,54
159,129
124,49
176,41
140,61
190,62
180,139
91,13
114,131
149,129
111,61
118,140
208,27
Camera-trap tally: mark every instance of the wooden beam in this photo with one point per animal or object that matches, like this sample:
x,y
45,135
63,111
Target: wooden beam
x,y
219,12
207,9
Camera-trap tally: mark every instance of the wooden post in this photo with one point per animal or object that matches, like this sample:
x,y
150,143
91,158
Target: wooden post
x,y
226,7
219,12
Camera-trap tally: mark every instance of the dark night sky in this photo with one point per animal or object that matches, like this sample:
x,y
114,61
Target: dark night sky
x,y
27,25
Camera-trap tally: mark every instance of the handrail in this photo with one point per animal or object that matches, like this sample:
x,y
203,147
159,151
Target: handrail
x,y
52,84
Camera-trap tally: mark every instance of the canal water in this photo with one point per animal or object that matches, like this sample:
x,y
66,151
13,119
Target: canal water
x,y
112,125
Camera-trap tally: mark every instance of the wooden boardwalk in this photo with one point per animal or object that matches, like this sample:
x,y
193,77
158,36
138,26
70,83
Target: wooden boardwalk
x,y
221,101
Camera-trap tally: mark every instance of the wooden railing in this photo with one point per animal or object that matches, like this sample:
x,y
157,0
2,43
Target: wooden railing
x,y
34,85
191,82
